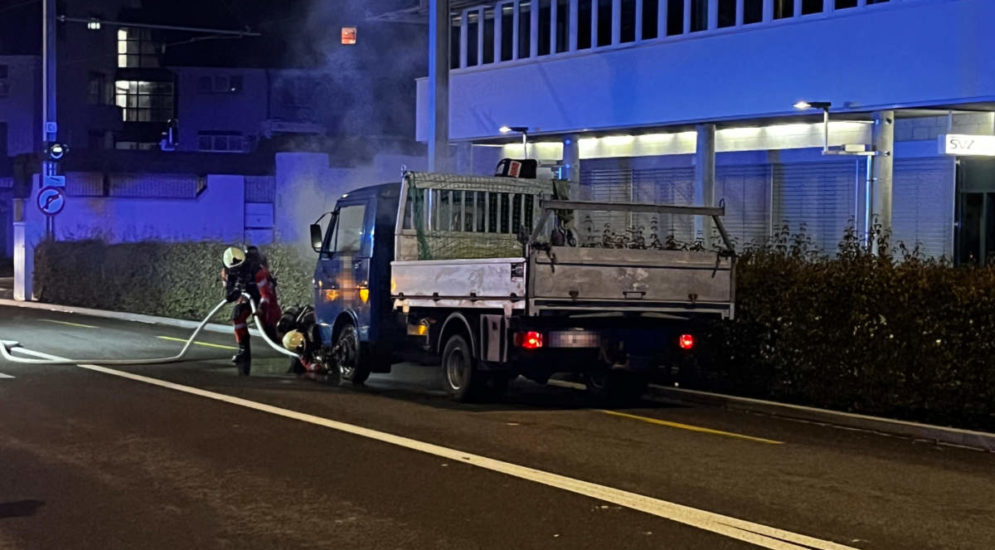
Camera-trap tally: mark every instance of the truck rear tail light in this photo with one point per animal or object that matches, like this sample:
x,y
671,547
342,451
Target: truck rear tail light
x,y
686,341
528,340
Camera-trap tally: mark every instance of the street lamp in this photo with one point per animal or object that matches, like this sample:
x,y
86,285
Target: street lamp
x,y
524,130
824,105
93,24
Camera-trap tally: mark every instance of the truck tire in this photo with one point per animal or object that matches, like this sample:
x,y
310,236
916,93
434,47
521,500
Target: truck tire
x,y
352,363
460,375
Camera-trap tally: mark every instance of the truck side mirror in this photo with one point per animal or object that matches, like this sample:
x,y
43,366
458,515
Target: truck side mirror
x,y
316,237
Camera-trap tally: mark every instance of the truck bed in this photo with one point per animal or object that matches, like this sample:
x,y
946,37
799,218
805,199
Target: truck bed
x,y
572,279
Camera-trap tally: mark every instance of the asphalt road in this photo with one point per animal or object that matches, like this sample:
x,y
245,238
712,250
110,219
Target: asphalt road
x,y
189,455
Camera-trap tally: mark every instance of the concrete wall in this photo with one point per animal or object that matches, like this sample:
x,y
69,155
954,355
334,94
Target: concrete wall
x,y
215,214
900,54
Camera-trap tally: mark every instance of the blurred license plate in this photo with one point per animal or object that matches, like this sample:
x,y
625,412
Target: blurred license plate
x,y
574,339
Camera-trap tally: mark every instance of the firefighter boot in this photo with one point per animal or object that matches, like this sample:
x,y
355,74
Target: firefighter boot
x,y
243,359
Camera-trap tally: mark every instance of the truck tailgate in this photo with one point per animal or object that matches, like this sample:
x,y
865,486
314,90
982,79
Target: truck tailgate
x,y
649,280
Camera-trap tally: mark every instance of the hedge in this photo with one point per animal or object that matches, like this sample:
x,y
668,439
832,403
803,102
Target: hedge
x,y
885,334
889,334
180,280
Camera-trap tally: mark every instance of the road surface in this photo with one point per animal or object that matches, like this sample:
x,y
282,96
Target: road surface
x,y
190,455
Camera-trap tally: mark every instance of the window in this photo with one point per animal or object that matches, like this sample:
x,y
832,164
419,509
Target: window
x,y
142,101
349,230
4,85
562,25
753,11
97,91
784,8
136,145
811,6
135,48
727,13
628,27
604,30
220,142
651,14
219,84
584,24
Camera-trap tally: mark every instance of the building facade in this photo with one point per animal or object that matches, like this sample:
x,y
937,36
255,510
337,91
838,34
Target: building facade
x,y
642,90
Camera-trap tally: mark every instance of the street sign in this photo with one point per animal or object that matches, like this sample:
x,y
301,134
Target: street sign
x,y
53,181
51,201
967,145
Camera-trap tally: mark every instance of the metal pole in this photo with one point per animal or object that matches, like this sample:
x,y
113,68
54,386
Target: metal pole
x,y
525,144
48,71
49,114
571,159
884,164
825,131
438,81
704,178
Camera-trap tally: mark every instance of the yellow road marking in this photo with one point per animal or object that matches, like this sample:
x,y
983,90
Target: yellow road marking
x,y
67,323
205,344
691,428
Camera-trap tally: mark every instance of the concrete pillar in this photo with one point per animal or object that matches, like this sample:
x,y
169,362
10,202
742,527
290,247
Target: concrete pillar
x,y
24,255
883,167
438,85
704,178
571,161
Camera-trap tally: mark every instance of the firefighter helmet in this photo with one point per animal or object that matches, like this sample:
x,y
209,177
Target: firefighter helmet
x,y
233,257
293,340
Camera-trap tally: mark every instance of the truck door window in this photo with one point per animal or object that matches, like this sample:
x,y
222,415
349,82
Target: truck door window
x,y
349,230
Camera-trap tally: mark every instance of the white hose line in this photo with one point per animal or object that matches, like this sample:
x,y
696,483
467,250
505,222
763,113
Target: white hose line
x,y
262,330
5,352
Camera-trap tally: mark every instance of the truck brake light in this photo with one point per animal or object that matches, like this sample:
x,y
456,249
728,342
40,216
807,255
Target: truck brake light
x,y
528,340
686,341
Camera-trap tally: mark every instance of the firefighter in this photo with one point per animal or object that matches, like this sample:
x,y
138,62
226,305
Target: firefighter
x,y
246,272
300,335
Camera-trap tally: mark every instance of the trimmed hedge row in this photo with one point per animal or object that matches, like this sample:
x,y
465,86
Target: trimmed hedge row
x,y
181,280
906,338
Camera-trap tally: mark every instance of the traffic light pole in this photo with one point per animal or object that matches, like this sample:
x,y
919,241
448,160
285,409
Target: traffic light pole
x,y
49,116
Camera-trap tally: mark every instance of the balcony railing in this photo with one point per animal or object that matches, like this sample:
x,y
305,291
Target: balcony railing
x,y
512,30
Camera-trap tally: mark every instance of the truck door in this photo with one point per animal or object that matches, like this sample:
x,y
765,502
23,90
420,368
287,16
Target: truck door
x,y
342,276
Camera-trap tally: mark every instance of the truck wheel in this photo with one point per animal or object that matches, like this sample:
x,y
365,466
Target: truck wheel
x,y
459,373
353,366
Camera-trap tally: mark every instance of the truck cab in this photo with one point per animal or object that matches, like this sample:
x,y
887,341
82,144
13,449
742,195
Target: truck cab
x,y
352,281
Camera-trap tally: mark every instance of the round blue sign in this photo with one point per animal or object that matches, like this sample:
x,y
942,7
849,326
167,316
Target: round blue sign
x,y
51,201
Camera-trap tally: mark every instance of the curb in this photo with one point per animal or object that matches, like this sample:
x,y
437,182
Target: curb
x,y
121,316
950,436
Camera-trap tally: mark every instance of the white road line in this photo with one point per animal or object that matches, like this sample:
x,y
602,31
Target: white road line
x,y
746,531
2,375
